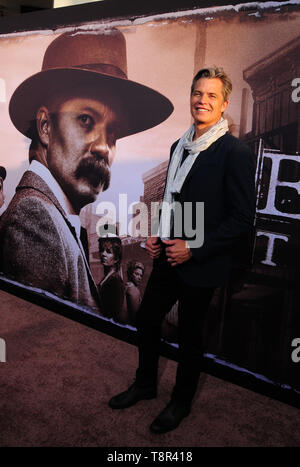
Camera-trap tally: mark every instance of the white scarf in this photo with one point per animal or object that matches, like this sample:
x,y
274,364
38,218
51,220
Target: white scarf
x,y
177,173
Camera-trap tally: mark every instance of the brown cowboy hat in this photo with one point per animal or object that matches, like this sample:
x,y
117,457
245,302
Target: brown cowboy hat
x,y
93,61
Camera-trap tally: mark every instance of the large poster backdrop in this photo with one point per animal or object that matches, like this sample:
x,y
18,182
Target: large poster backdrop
x,y
253,325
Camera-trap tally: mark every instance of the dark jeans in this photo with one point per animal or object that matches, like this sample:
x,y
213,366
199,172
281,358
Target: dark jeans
x,y
163,290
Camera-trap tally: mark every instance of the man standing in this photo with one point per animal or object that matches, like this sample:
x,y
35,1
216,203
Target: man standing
x,y
74,110
206,165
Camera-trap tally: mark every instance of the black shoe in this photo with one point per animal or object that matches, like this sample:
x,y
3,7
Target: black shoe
x,y
169,418
130,397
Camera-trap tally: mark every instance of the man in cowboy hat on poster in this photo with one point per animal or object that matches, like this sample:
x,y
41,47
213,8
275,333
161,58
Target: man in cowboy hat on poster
x,y
74,110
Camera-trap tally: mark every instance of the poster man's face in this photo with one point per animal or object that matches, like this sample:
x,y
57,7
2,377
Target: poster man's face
x,y
81,147
207,102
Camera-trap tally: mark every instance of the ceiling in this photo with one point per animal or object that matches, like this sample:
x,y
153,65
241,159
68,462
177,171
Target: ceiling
x,y
12,7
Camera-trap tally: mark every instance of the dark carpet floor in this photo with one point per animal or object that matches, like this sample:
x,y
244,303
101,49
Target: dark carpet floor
x,y
59,375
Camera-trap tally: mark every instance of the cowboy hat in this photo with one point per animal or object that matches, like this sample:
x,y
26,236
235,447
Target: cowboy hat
x,y
93,61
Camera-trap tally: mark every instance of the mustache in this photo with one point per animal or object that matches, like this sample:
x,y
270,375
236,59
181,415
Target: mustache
x,y
95,170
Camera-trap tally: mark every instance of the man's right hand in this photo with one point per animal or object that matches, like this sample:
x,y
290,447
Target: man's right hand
x,y
153,247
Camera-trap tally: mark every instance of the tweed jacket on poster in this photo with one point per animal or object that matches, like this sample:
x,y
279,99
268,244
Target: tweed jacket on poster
x,y
38,245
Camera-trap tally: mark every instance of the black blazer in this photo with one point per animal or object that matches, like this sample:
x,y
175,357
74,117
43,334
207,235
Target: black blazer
x,y
223,177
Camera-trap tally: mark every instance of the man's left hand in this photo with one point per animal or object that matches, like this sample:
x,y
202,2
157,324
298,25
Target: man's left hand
x,y
177,251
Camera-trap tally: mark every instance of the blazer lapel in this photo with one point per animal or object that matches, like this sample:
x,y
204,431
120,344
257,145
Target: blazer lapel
x,y
194,168
203,159
34,181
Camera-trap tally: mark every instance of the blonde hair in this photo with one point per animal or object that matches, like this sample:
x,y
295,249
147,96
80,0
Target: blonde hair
x,y
214,72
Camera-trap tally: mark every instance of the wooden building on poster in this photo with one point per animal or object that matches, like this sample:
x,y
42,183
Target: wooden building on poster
x,y
276,115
